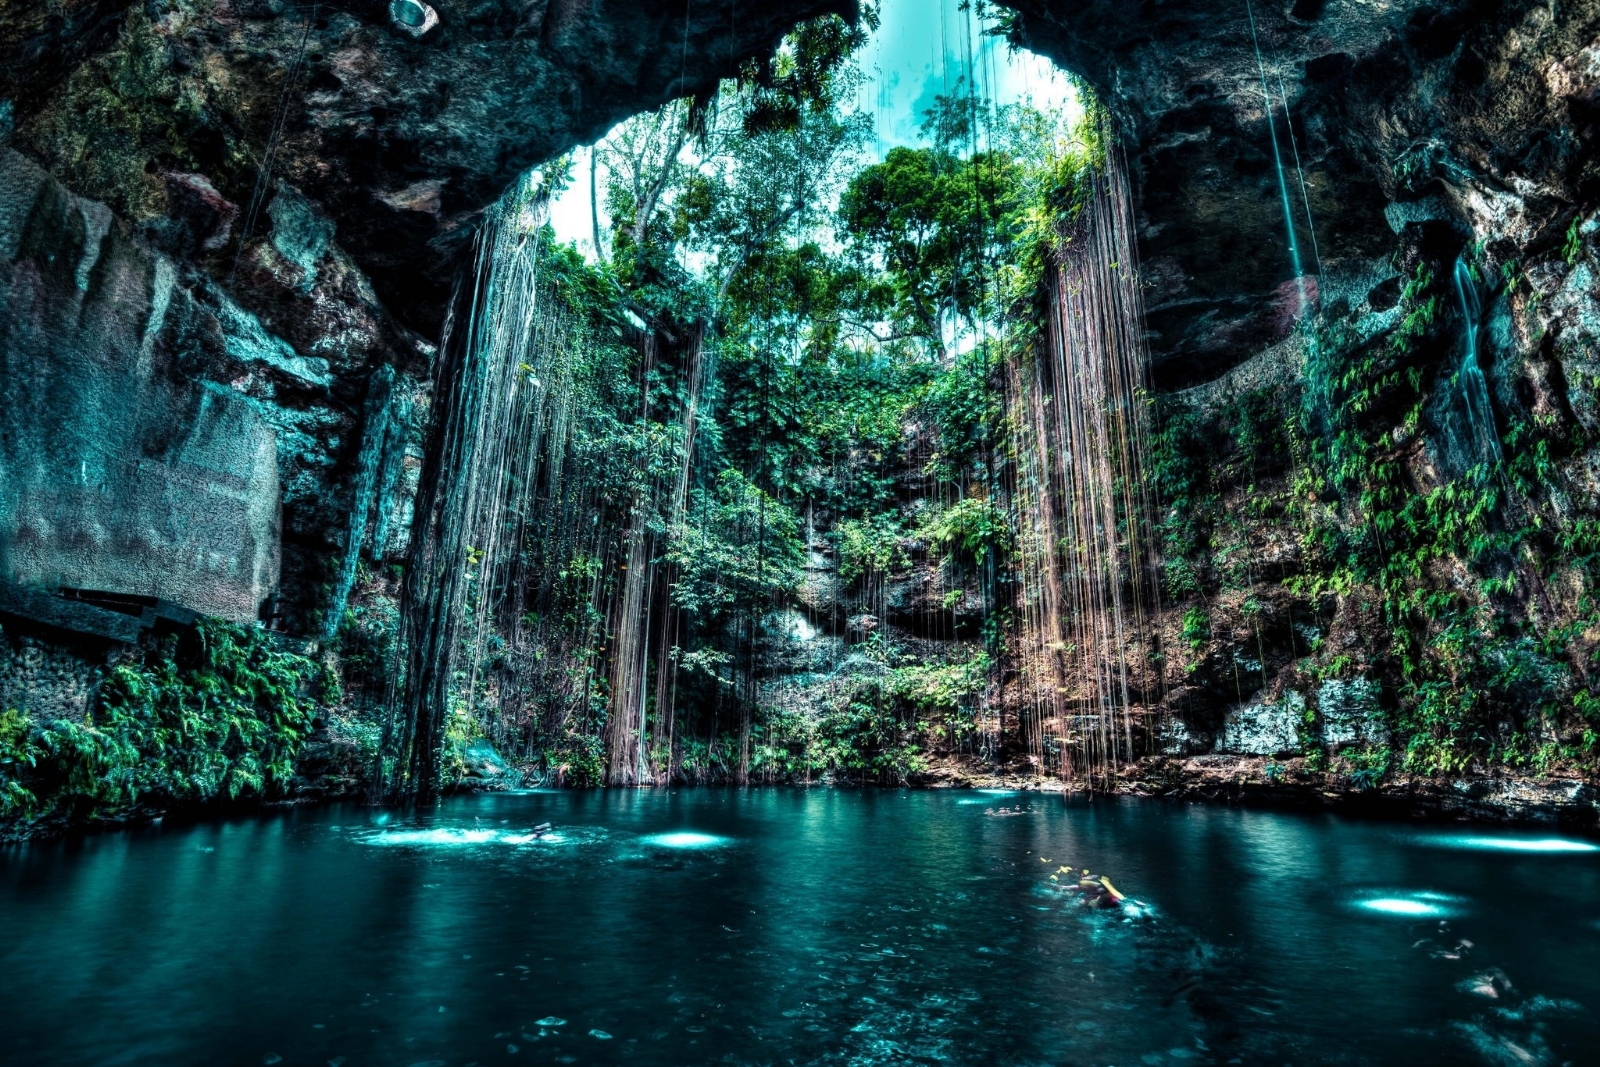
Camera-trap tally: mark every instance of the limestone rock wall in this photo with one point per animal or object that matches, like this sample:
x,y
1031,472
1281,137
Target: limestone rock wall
x,y
1488,105
398,138
120,473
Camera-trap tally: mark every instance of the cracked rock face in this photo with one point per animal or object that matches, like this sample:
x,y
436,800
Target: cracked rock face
x,y
193,374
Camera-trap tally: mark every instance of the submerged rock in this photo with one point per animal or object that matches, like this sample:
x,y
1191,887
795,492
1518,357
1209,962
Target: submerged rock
x,y
485,768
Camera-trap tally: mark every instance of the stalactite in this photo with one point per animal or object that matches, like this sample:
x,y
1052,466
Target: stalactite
x,y
1084,504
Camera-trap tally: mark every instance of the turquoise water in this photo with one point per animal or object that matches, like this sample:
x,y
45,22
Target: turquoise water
x,y
798,927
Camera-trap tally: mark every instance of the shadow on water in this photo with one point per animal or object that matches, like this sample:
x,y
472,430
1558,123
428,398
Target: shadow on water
x,y
808,927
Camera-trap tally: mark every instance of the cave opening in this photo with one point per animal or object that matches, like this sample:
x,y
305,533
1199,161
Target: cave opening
x,y
840,440
864,405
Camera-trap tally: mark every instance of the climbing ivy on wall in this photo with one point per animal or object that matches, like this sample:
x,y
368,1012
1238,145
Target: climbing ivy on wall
x,y
1441,563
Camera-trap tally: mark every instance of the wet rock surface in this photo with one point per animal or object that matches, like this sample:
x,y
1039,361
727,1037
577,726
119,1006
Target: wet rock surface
x,y
160,439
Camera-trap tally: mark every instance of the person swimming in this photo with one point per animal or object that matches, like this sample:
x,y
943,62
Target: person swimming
x,y
1098,892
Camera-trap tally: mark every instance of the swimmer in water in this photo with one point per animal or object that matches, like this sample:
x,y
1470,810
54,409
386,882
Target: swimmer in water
x,y
1097,890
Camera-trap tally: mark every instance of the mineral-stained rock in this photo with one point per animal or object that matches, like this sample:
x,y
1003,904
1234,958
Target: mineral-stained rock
x,y
1350,713
1265,729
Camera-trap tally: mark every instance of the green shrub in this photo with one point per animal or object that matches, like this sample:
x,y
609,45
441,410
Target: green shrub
x,y
1196,628
973,524
869,546
224,719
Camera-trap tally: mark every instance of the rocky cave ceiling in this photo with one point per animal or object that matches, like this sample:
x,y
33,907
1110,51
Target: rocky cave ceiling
x,y
400,140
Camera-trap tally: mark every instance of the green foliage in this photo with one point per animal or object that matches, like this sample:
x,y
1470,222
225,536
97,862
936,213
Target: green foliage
x,y
864,738
804,75
223,719
933,221
737,546
841,350
964,411
1196,628
576,760
1180,578
973,525
18,754
366,644
869,547
942,688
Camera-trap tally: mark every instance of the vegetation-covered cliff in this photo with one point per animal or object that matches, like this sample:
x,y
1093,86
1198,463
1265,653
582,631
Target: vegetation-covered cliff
x,y
1237,438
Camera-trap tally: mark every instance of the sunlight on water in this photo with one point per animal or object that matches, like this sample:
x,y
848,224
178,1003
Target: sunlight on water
x,y
1399,906
1512,844
685,839
458,837
439,838
1413,905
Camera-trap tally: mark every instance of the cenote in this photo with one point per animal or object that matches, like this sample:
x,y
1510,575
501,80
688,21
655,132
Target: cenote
x,y
779,926
789,532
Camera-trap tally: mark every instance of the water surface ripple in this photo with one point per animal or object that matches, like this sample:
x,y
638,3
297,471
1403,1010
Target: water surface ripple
x,y
798,927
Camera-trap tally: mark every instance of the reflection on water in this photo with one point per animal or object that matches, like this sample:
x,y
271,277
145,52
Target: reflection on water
x,y
1421,905
1510,844
685,839
805,927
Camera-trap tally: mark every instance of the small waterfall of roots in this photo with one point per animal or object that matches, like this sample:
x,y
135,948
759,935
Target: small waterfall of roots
x,y
536,609
1088,597
1471,437
646,624
493,480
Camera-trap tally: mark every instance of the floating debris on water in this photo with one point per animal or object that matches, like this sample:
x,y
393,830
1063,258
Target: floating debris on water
x,y
1002,812
1491,984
